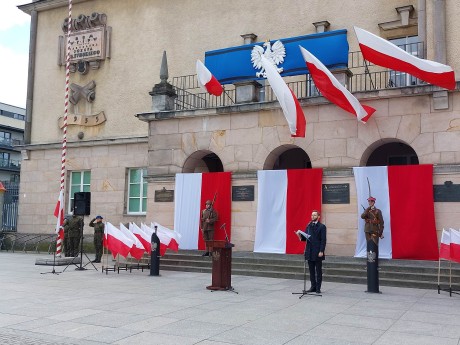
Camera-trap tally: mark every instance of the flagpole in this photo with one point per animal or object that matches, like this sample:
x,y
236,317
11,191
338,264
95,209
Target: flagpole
x,y
64,128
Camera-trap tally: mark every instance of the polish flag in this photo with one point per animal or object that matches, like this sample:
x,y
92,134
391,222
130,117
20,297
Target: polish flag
x,y
137,250
190,195
207,80
150,230
444,248
287,100
116,241
383,53
167,236
454,245
142,236
333,90
59,214
286,199
402,192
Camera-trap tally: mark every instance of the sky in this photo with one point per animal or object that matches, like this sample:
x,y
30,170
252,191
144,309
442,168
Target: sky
x,y
14,52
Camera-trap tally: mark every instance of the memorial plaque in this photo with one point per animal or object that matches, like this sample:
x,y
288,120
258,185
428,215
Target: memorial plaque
x,y
447,192
164,195
336,193
243,193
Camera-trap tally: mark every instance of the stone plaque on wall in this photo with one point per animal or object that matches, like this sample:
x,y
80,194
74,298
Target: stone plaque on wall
x,y
447,192
164,195
243,193
336,193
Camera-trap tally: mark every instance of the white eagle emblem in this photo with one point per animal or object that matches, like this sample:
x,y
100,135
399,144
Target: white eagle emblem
x,y
274,53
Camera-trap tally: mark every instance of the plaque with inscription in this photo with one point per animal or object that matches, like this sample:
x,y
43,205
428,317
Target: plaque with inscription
x,y
243,193
164,195
447,192
336,193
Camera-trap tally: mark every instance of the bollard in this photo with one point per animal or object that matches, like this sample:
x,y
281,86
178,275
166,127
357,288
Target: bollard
x,y
155,254
372,267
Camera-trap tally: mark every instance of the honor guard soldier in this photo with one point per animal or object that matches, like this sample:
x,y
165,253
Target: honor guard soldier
x,y
373,227
74,228
208,218
98,226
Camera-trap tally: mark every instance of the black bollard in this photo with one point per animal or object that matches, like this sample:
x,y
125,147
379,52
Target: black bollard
x,y
155,254
372,267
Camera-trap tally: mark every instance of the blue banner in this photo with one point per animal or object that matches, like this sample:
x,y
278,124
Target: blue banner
x,y
230,65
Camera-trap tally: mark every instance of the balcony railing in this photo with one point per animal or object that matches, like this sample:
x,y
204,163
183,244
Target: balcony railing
x,y
10,164
365,77
10,142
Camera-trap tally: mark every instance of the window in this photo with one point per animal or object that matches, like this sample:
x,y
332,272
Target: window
x,y
5,138
79,182
414,47
4,159
137,191
312,91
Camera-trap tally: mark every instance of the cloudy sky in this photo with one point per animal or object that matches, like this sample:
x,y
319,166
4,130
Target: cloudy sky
x,y
14,52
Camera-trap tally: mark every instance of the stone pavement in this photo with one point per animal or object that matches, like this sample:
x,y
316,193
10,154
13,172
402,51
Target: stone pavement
x,y
87,307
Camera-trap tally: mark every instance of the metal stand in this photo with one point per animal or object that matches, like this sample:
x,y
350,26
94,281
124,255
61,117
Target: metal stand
x,y
54,262
304,291
449,290
81,267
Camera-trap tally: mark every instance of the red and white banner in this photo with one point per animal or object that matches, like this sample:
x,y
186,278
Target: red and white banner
x,y
454,245
444,248
59,214
116,241
333,90
286,199
405,196
137,250
383,53
142,236
288,101
190,195
207,80
169,237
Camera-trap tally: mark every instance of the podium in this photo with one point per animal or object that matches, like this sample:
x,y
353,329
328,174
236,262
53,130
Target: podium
x,y
221,265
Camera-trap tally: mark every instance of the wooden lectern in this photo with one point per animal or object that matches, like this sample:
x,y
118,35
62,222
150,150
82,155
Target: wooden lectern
x,y
221,265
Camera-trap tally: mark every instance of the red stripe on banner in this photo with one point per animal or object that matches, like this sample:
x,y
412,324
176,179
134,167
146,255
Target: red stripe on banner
x,y
445,80
413,228
301,123
220,183
303,196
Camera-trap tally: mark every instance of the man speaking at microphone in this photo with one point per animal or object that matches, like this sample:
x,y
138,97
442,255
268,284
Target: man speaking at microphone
x,y
314,250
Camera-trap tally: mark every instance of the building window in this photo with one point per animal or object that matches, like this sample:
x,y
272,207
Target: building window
x,y
137,191
4,159
79,182
5,138
414,47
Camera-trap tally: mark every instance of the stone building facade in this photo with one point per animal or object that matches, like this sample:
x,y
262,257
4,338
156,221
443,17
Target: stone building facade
x,y
160,139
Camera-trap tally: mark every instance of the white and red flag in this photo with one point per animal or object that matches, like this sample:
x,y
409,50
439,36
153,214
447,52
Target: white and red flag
x,y
333,90
149,231
59,214
167,236
444,248
207,80
137,250
116,241
288,101
142,236
286,199
402,192
454,245
383,53
190,194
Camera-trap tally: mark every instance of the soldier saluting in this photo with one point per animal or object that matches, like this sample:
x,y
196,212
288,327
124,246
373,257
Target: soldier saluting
x,y
373,228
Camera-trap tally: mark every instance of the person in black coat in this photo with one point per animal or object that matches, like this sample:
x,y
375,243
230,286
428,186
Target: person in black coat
x,y
314,250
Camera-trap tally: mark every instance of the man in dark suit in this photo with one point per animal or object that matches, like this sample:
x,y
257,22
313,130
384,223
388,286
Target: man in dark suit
x,y
314,250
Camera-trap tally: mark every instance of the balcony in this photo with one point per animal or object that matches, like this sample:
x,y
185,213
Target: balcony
x,y
10,165
10,143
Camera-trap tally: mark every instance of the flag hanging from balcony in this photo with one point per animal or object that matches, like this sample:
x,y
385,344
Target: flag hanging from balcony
x,y
383,53
190,194
332,90
288,101
286,199
405,196
207,80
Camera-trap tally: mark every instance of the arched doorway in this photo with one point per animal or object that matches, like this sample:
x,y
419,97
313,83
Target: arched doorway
x,y
287,157
203,161
389,153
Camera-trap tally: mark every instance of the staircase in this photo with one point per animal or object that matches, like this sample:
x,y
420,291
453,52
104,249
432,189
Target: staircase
x,y
401,273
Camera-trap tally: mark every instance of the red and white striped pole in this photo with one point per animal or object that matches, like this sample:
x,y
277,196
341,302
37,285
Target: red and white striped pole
x,y
60,231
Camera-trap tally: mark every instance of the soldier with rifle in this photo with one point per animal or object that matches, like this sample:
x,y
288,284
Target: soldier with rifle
x,y
374,221
208,218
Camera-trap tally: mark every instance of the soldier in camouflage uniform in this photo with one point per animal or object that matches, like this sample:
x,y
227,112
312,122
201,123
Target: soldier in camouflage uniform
x,y
74,227
66,238
374,221
98,226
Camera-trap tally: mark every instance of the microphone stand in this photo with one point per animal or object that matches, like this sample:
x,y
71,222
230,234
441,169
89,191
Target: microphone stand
x,y
54,261
304,291
225,231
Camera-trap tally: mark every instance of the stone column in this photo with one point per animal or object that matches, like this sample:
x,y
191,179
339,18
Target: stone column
x,y
163,93
248,92
439,31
